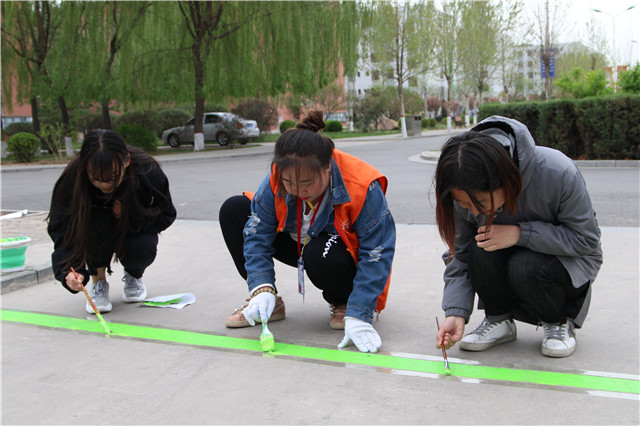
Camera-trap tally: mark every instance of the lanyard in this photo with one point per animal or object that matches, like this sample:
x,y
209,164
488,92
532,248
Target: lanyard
x,y
315,211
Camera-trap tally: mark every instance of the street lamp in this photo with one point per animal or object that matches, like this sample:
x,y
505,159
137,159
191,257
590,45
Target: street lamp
x,y
614,71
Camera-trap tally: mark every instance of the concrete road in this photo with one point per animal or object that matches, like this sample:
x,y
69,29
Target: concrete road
x,y
167,366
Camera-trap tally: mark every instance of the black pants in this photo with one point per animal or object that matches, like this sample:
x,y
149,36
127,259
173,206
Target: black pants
x,y
139,249
327,262
520,283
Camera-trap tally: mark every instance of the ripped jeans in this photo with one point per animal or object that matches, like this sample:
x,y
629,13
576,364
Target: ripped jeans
x,y
327,262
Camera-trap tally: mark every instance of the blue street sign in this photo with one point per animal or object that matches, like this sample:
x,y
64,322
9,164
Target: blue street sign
x,y
552,64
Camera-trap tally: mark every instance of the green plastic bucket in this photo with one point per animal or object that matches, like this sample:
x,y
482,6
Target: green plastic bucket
x,y
12,253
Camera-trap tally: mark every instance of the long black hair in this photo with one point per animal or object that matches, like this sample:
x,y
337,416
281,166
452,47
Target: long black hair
x,y
303,146
473,162
103,157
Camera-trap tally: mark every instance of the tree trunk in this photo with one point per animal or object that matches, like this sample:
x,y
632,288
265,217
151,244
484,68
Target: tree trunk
x,y
36,121
64,112
106,118
198,135
35,116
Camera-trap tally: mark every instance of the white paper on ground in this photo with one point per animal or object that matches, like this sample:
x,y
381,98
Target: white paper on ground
x,y
185,299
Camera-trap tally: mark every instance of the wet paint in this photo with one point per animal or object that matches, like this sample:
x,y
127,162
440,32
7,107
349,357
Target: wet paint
x,y
466,372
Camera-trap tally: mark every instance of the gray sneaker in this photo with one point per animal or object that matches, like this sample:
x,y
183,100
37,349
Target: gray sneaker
x,y
559,339
99,293
489,334
134,290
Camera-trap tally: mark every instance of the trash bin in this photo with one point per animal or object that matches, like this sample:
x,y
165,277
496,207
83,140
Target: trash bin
x,y
414,125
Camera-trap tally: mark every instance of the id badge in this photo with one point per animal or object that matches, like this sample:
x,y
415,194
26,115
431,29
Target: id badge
x,y
301,276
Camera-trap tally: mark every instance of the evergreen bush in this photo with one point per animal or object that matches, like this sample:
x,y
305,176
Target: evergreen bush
x,y
286,125
136,135
168,118
141,118
86,121
23,146
605,127
333,126
215,107
428,123
18,127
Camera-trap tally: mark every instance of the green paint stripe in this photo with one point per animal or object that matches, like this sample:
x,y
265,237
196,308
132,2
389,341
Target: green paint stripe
x,y
549,378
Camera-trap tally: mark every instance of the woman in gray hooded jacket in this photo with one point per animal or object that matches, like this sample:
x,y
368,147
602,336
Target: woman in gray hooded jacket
x,y
522,234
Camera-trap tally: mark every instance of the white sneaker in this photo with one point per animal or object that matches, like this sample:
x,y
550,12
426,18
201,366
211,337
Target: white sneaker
x,y
134,290
489,334
99,293
559,339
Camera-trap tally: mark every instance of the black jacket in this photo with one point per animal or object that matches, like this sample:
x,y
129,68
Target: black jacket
x,y
152,192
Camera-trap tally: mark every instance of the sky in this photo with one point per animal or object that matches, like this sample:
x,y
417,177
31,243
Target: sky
x,y
627,24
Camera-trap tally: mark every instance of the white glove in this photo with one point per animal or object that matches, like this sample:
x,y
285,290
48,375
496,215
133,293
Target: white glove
x,y
362,334
260,308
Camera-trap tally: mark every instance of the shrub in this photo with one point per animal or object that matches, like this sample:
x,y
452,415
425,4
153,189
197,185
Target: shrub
x,y
262,112
215,107
286,125
630,80
52,136
428,123
18,127
604,127
333,126
86,120
136,135
168,118
24,146
141,118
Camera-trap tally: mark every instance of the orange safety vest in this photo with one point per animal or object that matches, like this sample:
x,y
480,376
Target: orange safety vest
x,y
357,176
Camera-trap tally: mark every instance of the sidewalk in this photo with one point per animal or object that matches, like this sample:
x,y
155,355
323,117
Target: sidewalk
x,y
167,366
136,381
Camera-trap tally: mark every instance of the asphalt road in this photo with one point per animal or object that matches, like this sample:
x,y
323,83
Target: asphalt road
x,y
200,186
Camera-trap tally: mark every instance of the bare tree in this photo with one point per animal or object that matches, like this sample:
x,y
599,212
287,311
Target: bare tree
x,y
401,41
549,18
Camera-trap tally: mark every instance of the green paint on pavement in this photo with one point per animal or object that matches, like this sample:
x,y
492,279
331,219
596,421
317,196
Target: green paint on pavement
x,y
462,371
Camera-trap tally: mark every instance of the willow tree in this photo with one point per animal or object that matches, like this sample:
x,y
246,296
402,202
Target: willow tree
x,y
549,22
401,40
28,33
239,49
112,30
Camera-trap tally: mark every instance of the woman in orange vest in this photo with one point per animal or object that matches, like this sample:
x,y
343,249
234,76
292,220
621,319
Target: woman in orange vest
x,y
323,211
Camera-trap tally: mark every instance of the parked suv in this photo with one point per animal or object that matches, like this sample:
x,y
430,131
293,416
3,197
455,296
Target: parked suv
x,y
221,127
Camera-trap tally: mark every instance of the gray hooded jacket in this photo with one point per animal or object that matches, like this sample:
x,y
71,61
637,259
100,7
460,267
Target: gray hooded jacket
x,y
554,213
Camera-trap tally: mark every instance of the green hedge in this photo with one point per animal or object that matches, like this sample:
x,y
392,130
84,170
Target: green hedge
x,y
140,136
286,125
333,126
23,146
594,128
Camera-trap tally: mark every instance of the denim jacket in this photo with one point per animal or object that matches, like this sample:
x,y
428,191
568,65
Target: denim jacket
x,y
374,227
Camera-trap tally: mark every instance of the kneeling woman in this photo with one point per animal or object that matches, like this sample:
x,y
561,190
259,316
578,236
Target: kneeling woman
x,y
111,199
325,212
522,234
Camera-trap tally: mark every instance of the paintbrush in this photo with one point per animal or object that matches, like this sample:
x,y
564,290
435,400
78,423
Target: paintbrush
x,y
95,309
444,352
266,338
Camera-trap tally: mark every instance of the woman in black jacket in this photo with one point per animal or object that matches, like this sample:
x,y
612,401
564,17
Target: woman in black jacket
x,y
111,199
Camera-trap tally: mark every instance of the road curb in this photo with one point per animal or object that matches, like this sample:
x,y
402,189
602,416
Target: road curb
x,y
32,275
435,156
